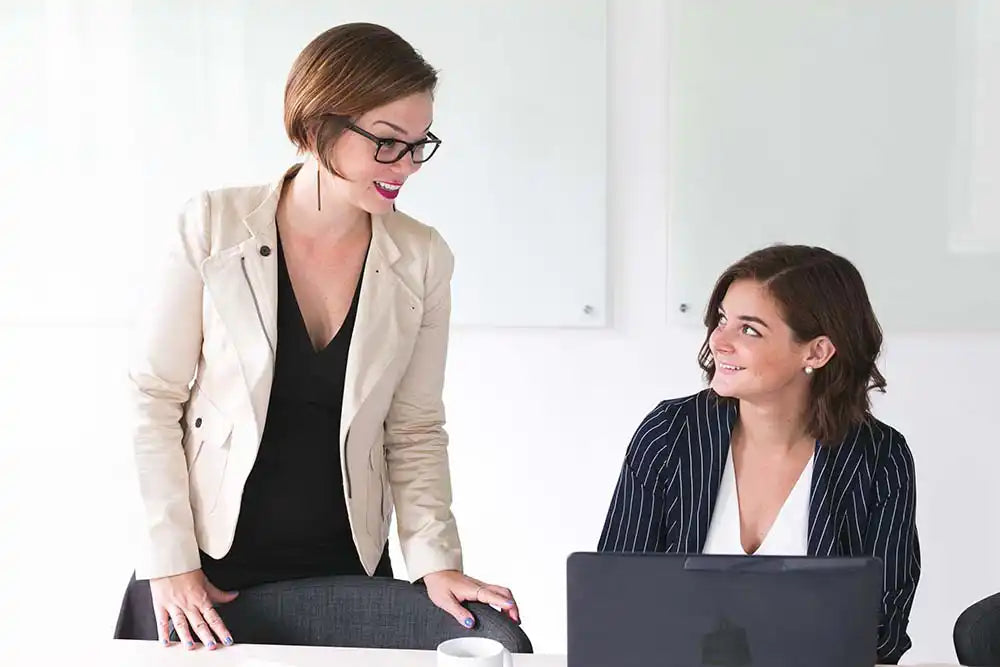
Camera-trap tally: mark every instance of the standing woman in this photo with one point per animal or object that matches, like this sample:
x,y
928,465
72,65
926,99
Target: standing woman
x,y
291,356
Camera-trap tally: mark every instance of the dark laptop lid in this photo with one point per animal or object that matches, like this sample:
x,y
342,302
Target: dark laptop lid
x,y
665,610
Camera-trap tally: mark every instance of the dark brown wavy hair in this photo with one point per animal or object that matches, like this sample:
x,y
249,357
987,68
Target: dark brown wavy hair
x,y
819,294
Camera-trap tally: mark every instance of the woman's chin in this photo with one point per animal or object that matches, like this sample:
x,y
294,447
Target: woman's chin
x,y
725,387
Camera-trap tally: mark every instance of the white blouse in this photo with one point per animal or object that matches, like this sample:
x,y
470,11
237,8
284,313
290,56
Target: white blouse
x,y
788,535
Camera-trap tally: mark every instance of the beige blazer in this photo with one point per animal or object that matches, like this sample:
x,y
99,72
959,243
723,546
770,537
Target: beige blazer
x,y
201,376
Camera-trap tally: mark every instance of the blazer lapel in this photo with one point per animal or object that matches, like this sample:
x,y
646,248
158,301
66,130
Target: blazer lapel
x,y
715,430
820,503
377,326
262,265
835,470
243,283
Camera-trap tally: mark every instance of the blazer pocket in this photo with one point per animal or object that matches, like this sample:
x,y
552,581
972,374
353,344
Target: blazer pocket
x,y
206,448
379,495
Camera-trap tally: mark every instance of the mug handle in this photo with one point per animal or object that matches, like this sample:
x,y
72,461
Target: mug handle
x,y
508,659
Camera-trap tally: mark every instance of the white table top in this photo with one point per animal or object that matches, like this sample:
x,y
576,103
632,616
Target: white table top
x,y
120,653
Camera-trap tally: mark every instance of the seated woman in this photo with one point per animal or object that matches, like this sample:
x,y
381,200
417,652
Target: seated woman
x,y
781,454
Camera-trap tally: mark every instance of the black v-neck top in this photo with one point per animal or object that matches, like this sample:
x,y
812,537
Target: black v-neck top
x,y
293,520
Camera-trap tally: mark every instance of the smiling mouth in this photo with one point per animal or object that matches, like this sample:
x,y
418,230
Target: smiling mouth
x,y
730,367
387,190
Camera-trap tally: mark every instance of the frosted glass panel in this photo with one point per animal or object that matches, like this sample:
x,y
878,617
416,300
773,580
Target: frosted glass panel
x,y
863,127
122,110
976,222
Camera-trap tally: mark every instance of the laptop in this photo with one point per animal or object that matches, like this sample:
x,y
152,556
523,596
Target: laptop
x,y
668,610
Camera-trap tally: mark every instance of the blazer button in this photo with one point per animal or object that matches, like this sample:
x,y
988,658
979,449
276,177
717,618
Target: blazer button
x,y
197,422
265,250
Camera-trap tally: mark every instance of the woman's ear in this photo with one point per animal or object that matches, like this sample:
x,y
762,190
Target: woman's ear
x,y
819,352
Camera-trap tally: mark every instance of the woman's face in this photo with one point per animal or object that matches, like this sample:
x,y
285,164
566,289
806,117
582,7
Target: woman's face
x,y
368,184
756,354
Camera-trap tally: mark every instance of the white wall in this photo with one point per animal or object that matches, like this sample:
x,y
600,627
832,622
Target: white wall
x,y
539,421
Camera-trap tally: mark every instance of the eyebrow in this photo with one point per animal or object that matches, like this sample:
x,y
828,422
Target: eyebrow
x,y
397,127
756,320
748,318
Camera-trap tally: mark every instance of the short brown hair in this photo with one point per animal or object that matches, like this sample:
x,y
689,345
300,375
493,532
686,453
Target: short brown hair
x,y
820,294
343,73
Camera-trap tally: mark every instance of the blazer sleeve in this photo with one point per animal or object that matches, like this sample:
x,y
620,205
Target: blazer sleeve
x,y
635,518
891,535
415,439
166,346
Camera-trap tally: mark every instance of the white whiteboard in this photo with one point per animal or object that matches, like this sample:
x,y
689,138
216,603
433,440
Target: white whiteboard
x,y
124,109
862,127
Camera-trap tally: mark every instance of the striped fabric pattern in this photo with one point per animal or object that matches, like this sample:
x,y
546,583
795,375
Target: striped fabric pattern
x,y
862,500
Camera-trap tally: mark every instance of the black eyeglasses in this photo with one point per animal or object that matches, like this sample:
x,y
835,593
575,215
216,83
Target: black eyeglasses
x,y
388,150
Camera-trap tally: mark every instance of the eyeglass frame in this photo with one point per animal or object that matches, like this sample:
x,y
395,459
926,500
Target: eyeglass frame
x,y
380,142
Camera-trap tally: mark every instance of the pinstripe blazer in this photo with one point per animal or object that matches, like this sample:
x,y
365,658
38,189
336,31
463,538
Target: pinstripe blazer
x,y
862,500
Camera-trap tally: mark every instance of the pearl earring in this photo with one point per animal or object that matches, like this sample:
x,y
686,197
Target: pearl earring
x,y
809,370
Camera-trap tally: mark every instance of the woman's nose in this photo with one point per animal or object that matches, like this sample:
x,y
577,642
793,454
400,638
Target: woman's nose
x,y
720,340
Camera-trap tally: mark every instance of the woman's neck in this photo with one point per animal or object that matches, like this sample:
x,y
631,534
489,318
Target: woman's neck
x,y
778,426
330,221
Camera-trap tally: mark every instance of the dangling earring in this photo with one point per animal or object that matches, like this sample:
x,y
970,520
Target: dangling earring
x,y
809,370
319,201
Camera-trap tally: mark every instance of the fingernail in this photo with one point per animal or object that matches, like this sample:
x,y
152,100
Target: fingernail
x,y
166,642
189,644
510,603
228,641
468,622
211,644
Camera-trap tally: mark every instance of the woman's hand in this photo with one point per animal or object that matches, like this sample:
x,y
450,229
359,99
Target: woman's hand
x,y
187,600
448,589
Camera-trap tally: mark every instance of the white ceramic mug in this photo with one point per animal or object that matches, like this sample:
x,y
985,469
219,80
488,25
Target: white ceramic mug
x,y
473,652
